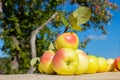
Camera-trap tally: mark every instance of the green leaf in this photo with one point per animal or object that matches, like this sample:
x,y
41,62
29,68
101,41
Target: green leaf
x,y
15,43
76,27
72,19
34,61
82,14
51,46
13,47
65,22
73,22
17,27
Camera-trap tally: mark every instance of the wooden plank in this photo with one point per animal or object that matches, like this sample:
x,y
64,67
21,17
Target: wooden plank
x,y
96,76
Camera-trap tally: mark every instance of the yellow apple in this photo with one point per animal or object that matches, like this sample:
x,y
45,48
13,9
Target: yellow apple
x,y
40,68
65,61
102,64
46,60
67,40
110,62
93,64
83,62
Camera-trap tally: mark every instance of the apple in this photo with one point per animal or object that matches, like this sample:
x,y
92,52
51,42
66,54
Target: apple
x,y
40,68
83,62
117,63
67,40
46,60
93,64
102,64
65,61
110,62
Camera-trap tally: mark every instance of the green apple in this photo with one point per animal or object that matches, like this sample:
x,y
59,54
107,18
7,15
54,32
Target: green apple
x,y
67,40
110,62
93,64
65,61
46,60
83,62
102,64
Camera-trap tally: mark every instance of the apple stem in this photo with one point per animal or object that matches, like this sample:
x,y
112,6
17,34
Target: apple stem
x,y
66,28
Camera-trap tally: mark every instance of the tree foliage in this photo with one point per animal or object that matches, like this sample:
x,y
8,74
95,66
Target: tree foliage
x,y
20,17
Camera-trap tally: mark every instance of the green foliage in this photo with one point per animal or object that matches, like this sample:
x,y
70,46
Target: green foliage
x,y
4,63
65,22
19,19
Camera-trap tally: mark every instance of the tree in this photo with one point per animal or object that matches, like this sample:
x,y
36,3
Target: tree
x,y
19,19
22,18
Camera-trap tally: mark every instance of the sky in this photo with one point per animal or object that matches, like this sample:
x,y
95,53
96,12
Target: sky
x,y
107,46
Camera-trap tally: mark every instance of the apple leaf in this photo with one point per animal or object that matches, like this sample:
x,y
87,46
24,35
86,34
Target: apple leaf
x,y
34,61
51,46
65,22
76,27
82,14
73,21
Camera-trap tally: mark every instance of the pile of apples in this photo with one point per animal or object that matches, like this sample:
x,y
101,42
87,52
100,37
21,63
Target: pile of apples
x,y
69,60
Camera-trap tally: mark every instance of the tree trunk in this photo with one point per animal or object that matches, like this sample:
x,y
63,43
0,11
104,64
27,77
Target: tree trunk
x,y
1,6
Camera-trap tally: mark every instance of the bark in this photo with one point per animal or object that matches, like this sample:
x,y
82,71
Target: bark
x,y
14,61
0,6
14,64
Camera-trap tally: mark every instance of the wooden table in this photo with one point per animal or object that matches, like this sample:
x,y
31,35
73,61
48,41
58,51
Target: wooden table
x,y
96,76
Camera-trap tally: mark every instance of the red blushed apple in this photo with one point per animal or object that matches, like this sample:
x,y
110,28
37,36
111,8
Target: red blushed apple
x,y
46,60
117,63
67,40
65,61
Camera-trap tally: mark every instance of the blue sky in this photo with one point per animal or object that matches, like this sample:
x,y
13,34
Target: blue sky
x,y
107,46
